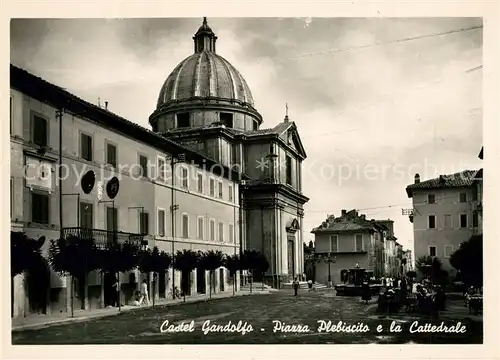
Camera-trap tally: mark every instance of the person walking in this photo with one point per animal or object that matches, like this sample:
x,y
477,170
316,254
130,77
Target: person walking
x,y
144,293
295,287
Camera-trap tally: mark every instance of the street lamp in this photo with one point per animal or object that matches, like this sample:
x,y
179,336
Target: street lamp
x,y
328,260
173,161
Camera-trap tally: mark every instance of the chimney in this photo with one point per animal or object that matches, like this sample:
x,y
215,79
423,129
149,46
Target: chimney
x,y
363,217
344,212
417,178
99,101
106,105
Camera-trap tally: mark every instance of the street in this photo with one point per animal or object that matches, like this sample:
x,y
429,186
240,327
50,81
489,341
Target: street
x,y
310,318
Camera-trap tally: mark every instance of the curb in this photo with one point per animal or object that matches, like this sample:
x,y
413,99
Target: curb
x,y
79,319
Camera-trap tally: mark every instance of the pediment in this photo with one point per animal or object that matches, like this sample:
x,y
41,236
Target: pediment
x,y
291,137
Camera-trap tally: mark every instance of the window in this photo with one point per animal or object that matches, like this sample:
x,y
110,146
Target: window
x,y
221,231
463,197
40,133
448,250
143,163
111,154
212,187
447,221
220,190
111,219
255,125
200,183
288,170
144,223
183,120
200,228
226,119
432,221
358,242
431,198
86,215
161,222
474,194
230,191
40,208
334,245
212,230
185,226
463,220
184,177
475,220
86,147
162,169
231,233
432,251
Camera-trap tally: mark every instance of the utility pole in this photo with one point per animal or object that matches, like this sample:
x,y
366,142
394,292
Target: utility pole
x,y
173,208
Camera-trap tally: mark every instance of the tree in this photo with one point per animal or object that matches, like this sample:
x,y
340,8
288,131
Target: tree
x,y
24,251
431,267
211,261
154,261
26,257
261,266
76,257
185,261
468,260
118,257
254,261
233,264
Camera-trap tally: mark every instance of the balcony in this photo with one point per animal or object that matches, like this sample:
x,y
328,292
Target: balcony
x,y
103,238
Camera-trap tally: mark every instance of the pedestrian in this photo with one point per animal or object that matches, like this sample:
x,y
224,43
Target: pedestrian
x,y
144,293
310,285
114,292
296,287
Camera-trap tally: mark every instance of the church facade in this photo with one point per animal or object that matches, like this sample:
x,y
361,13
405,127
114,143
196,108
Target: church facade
x,y
229,184
206,104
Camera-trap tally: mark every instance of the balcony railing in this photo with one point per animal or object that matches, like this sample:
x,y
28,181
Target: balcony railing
x,y
104,238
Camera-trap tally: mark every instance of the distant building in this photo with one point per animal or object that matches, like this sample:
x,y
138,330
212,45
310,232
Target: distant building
x,y
350,240
407,262
445,214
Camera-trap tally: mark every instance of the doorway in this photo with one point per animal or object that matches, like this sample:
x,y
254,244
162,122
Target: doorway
x,y
110,294
162,284
201,286
291,255
221,279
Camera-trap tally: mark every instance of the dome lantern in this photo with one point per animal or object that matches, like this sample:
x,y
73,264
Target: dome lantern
x,y
204,39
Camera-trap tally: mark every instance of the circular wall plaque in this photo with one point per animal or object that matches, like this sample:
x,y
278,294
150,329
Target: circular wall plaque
x,y
112,187
88,182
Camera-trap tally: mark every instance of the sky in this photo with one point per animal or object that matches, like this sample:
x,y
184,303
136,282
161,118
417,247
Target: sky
x,y
375,100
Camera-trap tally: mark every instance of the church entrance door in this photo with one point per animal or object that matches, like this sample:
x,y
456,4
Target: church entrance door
x,y
291,255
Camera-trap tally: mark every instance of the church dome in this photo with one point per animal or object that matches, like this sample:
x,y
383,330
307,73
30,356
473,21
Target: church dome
x,y
205,89
205,74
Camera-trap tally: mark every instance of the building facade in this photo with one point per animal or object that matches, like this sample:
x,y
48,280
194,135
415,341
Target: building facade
x,y
191,183
351,240
445,214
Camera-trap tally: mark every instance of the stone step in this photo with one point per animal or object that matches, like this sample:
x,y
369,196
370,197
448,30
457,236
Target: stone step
x,y
303,285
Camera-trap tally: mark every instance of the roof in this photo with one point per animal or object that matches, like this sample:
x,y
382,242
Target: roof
x,y
204,74
461,179
349,222
481,153
60,98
